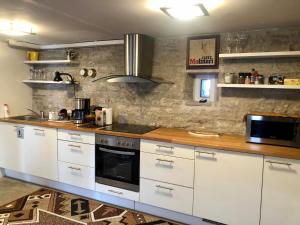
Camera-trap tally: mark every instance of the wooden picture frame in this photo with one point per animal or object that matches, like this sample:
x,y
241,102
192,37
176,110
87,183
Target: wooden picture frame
x,y
203,52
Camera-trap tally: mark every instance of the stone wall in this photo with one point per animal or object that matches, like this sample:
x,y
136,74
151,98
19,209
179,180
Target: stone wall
x,y
171,105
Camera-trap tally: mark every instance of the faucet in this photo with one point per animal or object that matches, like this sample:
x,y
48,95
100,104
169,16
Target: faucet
x,y
41,114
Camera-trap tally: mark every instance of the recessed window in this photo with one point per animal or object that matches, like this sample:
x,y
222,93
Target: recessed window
x,y
205,88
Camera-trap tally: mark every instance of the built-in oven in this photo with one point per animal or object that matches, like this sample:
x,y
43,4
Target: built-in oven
x,y
118,162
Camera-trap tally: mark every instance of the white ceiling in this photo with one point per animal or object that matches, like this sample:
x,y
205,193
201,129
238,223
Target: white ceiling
x,y
67,21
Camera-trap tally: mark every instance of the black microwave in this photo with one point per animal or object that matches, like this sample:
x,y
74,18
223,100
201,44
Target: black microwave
x,y
272,129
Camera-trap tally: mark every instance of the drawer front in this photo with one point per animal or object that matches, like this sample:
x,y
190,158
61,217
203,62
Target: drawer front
x,y
77,153
75,136
167,169
77,175
169,149
118,192
163,195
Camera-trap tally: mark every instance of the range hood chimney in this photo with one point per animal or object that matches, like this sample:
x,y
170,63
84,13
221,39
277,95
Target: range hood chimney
x,y
138,61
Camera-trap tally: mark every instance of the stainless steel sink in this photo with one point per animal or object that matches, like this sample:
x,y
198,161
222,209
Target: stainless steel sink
x,y
29,118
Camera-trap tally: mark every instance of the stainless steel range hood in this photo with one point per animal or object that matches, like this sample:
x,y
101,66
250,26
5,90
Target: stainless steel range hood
x,y
138,61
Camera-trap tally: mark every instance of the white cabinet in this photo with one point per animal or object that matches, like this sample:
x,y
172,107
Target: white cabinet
x,y
76,155
281,192
227,186
80,176
11,147
76,136
41,152
172,197
167,175
167,169
169,149
118,192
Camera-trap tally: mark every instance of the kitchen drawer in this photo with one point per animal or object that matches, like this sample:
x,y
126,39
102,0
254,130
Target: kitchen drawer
x,y
75,136
167,169
168,196
118,192
170,149
77,153
80,176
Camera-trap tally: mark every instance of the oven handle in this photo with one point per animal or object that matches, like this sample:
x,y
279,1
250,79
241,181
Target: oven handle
x,y
116,152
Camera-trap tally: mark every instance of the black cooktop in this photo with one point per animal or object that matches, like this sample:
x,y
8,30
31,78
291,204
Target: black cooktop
x,y
124,128
129,128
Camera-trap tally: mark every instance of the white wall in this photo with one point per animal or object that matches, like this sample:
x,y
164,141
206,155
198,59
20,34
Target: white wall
x,y
13,92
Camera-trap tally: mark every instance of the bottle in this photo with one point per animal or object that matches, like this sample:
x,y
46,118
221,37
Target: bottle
x,y
6,111
247,80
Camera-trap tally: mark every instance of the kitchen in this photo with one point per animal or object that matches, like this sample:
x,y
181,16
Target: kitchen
x,y
193,158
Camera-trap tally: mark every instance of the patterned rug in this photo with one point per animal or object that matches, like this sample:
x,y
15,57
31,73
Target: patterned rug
x,y
51,207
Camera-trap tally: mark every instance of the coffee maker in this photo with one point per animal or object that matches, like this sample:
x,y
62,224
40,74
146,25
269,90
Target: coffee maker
x,y
82,109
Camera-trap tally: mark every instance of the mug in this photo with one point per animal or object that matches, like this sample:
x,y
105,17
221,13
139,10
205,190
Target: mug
x,y
33,56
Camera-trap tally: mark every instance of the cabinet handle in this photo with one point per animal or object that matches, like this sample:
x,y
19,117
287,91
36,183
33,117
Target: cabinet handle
x,y
116,192
207,153
162,150
74,134
280,163
74,168
162,187
40,130
164,160
74,146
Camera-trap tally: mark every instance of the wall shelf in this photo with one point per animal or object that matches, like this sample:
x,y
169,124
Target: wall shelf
x,y
51,62
257,55
47,82
261,86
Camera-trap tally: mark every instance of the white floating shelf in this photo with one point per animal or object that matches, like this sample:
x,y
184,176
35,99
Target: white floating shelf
x,y
46,82
52,62
265,86
203,71
285,54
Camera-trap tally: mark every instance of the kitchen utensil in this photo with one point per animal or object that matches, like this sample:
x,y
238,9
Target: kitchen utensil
x,y
63,114
82,110
83,104
204,134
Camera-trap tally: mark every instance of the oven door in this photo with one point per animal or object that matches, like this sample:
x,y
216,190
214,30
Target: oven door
x,y
118,167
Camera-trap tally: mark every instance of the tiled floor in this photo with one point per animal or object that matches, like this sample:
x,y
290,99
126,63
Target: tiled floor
x,y
11,189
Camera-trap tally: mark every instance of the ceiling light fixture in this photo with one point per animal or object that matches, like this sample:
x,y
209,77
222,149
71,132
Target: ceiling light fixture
x,y
15,28
185,12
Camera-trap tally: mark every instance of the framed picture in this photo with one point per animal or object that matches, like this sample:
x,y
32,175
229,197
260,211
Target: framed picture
x,y
203,52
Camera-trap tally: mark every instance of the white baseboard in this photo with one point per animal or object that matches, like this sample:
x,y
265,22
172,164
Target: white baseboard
x,y
168,214
72,189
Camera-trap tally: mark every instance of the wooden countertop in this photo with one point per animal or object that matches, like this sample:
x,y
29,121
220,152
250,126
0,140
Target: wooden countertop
x,y
235,143
69,126
180,136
